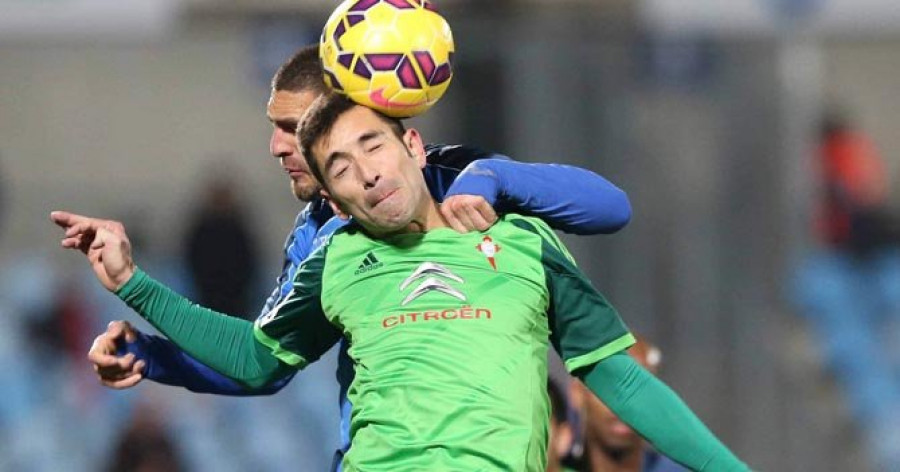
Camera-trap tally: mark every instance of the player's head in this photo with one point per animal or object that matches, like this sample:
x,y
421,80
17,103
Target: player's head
x,y
601,426
369,164
295,85
561,434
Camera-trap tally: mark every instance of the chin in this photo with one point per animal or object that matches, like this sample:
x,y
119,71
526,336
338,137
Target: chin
x,y
304,192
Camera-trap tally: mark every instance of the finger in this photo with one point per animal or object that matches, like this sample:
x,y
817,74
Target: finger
x,y
126,382
478,221
127,361
138,367
65,219
77,228
115,329
487,213
72,243
451,218
464,217
103,360
130,332
124,366
61,218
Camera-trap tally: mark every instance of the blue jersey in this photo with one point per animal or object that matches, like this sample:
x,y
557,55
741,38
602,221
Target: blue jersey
x,y
568,198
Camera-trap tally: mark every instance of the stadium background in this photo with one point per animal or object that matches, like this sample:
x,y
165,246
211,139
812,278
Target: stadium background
x,y
705,112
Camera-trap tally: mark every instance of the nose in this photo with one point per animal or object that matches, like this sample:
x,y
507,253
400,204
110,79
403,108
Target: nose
x,y
368,173
282,143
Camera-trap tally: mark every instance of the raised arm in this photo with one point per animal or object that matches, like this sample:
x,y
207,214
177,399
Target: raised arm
x,y
568,198
108,250
656,412
168,364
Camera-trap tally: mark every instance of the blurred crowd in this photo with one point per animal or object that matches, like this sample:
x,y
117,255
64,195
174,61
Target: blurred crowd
x,y
56,416
848,286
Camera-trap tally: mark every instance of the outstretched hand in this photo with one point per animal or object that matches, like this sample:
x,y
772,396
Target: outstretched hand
x,y
104,242
113,370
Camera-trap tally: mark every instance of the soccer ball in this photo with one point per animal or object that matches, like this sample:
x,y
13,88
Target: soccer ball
x,y
391,55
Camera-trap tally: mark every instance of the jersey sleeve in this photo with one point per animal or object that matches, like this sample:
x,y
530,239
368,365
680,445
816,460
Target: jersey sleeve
x,y
296,329
545,191
168,364
584,326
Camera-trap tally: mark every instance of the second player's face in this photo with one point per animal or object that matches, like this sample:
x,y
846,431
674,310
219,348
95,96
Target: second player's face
x,y
371,174
611,432
284,112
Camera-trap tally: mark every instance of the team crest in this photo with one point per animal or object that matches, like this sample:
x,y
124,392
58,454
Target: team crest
x,y
489,249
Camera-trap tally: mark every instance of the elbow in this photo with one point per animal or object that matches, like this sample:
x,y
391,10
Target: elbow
x,y
620,214
263,385
268,382
614,215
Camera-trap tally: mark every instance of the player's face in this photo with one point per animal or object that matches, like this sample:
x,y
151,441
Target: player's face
x,y
371,173
284,111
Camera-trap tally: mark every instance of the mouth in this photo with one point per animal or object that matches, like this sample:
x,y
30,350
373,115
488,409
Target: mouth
x,y
383,197
295,173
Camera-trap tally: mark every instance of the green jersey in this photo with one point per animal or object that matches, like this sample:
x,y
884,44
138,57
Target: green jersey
x,y
448,333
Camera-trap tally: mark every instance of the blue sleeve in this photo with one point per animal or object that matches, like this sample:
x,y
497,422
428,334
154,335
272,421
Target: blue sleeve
x,y
568,198
168,364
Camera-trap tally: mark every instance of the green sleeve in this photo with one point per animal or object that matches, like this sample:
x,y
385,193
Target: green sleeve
x,y
224,343
584,326
297,331
658,414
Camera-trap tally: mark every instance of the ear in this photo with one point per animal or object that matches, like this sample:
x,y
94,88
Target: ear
x,y
413,142
334,205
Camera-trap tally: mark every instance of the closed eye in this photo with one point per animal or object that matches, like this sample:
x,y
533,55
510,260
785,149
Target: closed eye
x,y
339,172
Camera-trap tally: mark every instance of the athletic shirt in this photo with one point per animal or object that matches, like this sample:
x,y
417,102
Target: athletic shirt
x,y
448,336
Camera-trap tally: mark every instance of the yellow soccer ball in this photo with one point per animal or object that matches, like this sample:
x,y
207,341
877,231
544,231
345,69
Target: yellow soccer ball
x,y
391,55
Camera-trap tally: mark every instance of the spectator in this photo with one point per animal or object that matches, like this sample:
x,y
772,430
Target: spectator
x,y
561,434
609,445
221,252
145,446
849,286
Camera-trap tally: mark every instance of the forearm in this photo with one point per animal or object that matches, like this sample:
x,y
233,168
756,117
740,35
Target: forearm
x,y
223,343
568,198
167,364
658,414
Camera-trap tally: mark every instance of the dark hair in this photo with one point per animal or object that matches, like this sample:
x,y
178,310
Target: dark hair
x,y
321,116
558,406
303,71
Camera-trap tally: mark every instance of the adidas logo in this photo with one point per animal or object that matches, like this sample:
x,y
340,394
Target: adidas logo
x,y
369,263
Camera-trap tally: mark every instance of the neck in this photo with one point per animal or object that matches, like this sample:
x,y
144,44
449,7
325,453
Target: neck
x,y
429,217
600,459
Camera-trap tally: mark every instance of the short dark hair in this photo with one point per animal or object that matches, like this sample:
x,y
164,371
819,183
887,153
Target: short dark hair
x,y
302,72
321,116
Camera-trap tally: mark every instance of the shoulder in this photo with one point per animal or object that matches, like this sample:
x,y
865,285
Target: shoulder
x,y
527,223
346,240
456,156
551,247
